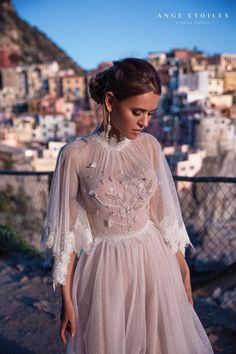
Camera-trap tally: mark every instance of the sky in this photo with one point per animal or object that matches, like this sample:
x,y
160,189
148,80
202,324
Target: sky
x,y
93,31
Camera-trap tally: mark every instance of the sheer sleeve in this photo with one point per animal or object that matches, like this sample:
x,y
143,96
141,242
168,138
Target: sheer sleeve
x,y
66,228
164,205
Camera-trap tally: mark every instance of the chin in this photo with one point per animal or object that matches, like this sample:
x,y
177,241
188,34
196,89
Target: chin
x,y
132,135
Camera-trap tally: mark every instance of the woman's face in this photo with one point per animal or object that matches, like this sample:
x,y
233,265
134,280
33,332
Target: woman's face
x,y
132,114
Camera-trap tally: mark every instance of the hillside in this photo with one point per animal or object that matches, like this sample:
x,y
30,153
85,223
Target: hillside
x,y
31,44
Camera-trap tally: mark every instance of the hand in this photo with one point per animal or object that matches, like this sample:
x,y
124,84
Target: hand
x,y
67,318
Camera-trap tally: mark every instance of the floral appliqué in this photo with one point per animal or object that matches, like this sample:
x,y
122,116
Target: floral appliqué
x,y
124,197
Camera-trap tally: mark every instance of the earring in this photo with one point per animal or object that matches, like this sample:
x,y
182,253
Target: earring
x,y
108,127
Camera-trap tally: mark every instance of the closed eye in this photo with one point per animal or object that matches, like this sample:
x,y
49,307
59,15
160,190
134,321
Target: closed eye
x,y
138,113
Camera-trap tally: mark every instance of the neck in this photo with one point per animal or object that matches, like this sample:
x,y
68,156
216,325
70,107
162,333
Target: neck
x,y
112,132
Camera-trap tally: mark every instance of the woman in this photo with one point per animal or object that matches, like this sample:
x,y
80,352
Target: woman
x,y
113,204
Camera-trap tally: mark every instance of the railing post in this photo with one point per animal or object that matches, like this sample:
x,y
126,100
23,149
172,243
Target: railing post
x,y
50,175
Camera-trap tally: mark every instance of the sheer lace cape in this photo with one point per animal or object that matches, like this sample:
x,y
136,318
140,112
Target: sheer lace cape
x,y
66,227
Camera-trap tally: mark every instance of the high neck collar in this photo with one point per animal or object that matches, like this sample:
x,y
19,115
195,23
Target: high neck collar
x,y
113,143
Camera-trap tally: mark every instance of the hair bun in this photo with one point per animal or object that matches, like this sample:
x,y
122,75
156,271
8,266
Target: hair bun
x,y
98,85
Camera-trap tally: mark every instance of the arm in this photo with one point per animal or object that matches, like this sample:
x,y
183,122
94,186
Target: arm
x,y
68,321
183,265
66,290
66,228
185,272
60,232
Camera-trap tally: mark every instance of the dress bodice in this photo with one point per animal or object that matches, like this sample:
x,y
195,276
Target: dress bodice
x,y
116,184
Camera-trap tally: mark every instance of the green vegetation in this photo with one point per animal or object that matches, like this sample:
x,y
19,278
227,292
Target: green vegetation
x,y
18,217
18,210
8,165
10,241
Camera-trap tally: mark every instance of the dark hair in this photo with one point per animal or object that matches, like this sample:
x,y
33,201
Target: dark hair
x,y
125,78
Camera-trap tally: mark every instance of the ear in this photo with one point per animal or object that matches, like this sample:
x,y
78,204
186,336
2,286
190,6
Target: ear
x,y
108,101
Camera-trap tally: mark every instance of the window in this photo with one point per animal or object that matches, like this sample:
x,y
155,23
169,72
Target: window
x,y
77,92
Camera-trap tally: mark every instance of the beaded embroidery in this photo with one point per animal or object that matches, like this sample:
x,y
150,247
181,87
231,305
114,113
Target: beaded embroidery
x,y
122,204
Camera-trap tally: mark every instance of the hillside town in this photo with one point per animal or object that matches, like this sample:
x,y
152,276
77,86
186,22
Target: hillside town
x,y
44,106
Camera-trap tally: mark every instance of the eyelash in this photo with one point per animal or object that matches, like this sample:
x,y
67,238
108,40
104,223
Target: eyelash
x,y
138,114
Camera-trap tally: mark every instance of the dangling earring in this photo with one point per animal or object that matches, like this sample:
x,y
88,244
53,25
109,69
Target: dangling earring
x,y
108,127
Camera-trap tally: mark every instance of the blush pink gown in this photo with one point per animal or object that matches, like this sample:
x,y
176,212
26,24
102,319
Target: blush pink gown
x,y
128,291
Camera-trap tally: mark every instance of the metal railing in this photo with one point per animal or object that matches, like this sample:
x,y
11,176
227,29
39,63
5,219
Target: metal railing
x,y
208,207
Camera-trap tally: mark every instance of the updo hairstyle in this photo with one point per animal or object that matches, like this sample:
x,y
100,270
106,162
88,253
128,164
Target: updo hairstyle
x,y
125,78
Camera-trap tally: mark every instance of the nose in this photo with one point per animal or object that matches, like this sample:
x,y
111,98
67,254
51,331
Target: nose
x,y
145,120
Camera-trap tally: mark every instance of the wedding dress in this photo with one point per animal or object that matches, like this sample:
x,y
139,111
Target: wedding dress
x,y
115,204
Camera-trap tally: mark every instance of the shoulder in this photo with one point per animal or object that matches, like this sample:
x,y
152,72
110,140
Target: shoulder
x,y
151,141
153,147
74,148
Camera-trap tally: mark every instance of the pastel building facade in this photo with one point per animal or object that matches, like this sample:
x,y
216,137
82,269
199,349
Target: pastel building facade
x,y
196,81
33,79
54,127
47,162
216,134
74,87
